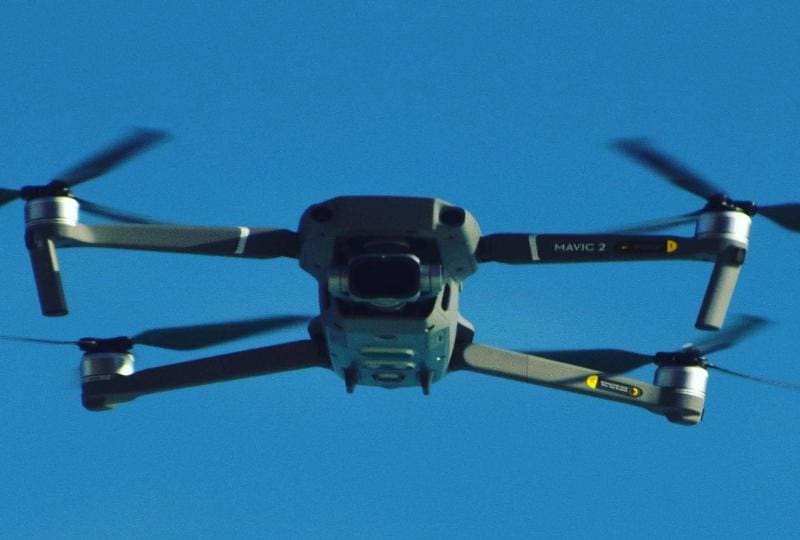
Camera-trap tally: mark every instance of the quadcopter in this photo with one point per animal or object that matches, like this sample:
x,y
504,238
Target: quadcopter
x,y
390,271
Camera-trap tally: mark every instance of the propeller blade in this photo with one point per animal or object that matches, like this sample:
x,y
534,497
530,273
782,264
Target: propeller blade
x,y
785,215
114,214
771,382
641,151
185,338
8,195
658,224
737,330
37,340
110,157
604,360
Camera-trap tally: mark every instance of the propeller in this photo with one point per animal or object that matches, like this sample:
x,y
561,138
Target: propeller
x,y
178,338
620,361
786,215
113,214
95,165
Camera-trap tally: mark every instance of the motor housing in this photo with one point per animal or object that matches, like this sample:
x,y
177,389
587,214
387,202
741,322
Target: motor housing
x,y
684,382
61,210
102,366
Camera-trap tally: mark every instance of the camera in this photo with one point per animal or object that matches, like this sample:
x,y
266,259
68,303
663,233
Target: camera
x,y
385,280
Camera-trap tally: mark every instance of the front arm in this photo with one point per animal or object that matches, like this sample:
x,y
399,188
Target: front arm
x,y
520,248
42,239
727,254
246,242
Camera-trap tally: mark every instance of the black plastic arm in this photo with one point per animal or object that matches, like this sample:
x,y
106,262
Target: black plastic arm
x,y
46,274
720,288
104,394
519,248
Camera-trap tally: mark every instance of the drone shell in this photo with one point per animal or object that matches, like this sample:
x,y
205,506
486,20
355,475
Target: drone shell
x,y
452,230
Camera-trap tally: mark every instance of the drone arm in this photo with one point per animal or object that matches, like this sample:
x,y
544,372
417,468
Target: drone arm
x,y
728,256
46,275
546,372
41,240
255,243
519,248
720,289
101,395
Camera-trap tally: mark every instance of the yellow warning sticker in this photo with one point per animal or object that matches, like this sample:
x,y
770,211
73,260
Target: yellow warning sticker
x,y
595,382
672,246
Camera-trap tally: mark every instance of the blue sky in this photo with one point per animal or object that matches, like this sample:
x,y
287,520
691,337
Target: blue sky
x,y
505,110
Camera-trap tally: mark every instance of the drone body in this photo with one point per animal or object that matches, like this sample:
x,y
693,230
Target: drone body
x,y
390,271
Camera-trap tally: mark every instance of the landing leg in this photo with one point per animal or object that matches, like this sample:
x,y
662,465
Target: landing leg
x,y
350,379
425,380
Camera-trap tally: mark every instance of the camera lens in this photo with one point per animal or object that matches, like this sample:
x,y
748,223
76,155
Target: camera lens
x,y
384,276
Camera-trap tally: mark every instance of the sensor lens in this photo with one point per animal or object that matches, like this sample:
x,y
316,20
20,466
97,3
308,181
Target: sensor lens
x,y
384,276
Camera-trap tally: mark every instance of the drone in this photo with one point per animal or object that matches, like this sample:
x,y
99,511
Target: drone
x,y
390,271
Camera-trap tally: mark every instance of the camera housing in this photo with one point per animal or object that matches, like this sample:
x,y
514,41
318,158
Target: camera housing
x,y
385,280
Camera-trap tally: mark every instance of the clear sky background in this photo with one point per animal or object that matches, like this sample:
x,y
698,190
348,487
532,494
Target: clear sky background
x,y
505,110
